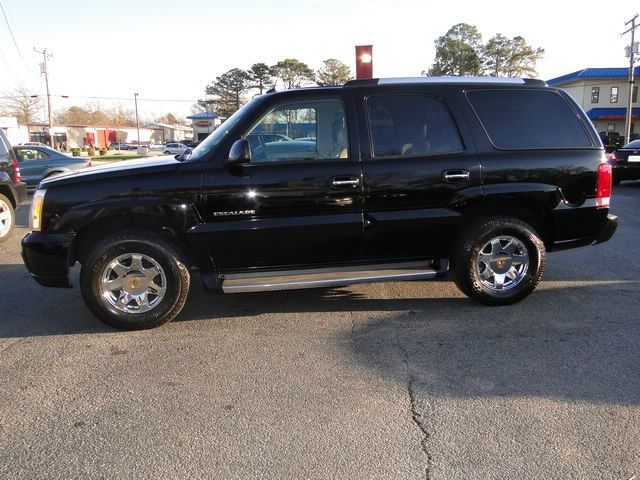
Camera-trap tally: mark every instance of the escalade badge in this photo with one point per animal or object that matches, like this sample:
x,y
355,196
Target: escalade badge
x,y
234,213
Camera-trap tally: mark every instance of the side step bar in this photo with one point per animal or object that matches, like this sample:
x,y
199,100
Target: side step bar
x,y
331,277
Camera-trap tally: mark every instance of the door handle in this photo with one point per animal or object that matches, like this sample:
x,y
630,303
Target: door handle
x,y
345,182
453,176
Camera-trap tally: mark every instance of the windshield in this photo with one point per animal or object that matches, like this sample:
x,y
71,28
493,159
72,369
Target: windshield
x,y
212,141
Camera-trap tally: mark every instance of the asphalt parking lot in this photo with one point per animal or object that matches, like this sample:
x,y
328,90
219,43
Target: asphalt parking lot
x,y
398,380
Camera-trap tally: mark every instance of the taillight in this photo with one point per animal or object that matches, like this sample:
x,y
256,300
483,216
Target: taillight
x,y
603,190
16,170
613,156
88,164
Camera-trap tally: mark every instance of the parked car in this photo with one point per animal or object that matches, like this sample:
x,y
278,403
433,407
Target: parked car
x,y
625,162
37,163
174,148
257,139
121,146
441,175
12,188
611,140
189,143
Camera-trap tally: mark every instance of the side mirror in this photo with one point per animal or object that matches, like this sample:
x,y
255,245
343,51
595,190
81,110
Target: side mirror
x,y
239,154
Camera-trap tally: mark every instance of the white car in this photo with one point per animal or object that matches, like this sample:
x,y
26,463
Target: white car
x,y
174,148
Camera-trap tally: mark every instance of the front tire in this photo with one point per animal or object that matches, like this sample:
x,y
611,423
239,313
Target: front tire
x,y
7,218
134,280
498,261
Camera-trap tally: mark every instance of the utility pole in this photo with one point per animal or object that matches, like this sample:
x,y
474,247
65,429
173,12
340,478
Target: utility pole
x,y
631,50
45,71
135,99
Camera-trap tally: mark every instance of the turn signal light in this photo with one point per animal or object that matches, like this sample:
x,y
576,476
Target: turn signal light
x,y
603,190
36,210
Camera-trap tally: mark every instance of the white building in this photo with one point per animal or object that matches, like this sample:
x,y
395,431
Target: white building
x,y
603,95
204,123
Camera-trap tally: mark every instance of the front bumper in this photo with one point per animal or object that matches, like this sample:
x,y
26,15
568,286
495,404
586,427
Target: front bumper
x,y
21,192
47,257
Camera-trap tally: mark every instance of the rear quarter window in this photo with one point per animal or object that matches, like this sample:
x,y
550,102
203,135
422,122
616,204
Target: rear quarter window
x,y
528,119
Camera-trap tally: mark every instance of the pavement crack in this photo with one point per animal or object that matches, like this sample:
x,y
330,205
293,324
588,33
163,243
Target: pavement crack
x,y
416,416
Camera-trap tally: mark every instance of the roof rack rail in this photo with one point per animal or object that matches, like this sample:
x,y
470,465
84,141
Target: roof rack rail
x,y
445,79
366,82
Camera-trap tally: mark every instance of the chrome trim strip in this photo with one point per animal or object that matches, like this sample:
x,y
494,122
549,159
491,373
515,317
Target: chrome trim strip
x,y
327,277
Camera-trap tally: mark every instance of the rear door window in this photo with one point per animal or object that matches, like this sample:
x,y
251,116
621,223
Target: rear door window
x,y
404,125
528,119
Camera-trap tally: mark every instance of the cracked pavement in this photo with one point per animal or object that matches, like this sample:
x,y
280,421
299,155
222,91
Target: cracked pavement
x,y
398,380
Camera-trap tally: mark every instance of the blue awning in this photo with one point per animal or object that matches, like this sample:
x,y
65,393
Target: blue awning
x,y
611,113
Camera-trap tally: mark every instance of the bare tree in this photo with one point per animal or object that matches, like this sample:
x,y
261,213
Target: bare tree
x,y
22,104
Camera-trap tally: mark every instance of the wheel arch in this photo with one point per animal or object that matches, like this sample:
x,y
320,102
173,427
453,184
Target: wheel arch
x,y
531,203
170,220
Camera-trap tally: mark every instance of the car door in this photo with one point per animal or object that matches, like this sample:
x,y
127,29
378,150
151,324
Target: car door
x,y
417,164
295,202
33,165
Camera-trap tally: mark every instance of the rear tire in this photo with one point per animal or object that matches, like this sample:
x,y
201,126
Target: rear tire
x,y
498,260
7,218
134,280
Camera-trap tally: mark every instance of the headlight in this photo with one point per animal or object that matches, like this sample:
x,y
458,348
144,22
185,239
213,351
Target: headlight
x,y
36,210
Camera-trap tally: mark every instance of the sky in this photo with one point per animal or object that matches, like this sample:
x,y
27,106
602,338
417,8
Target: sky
x,y
173,50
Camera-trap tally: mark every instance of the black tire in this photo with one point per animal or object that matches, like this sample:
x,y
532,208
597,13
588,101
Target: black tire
x,y
167,152
498,260
7,218
165,292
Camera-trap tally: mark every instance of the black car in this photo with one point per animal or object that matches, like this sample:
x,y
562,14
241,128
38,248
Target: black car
x,y
625,162
12,188
611,140
407,179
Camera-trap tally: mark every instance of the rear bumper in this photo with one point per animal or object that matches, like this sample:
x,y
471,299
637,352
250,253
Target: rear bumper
x,y
608,229
47,257
626,171
605,233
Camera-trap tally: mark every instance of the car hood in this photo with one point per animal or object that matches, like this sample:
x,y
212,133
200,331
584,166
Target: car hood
x,y
121,168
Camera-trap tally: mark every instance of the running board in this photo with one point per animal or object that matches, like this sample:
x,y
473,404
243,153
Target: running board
x,y
331,277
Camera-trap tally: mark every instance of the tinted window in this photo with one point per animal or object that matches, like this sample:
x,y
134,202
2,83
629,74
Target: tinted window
x,y
528,119
30,154
270,140
4,148
410,125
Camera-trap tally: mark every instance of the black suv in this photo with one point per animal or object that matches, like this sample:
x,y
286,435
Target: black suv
x,y
12,189
405,179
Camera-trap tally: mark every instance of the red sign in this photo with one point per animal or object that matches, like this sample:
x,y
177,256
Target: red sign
x,y
364,61
202,124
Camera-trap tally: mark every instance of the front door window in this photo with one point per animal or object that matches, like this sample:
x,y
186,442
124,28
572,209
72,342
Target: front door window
x,y
300,131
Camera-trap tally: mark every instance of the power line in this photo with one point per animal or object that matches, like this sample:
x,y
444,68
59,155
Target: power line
x,y
632,49
4,14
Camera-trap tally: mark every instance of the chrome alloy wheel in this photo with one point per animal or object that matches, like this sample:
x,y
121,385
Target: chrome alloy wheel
x,y
502,263
5,218
133,283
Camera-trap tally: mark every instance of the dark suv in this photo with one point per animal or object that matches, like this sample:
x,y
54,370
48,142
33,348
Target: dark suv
x,y
406,179
12,189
